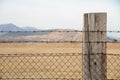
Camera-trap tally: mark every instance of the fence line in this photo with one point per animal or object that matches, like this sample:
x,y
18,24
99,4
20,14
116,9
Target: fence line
x,y
58,42
45,66
41,54
57,31
51,54
53,41
52,66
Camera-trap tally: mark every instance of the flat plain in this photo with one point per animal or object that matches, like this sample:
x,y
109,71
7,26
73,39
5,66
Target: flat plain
x,y
55,66
18,48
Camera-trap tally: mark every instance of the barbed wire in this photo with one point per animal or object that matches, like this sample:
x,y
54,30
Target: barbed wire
x,y
57,31
41,54
61,31
46,79
53,54
42,31
39,41
43,79
59,42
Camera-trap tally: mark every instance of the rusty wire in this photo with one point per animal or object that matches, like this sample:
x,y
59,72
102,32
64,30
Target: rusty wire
x,y
57,31
59,41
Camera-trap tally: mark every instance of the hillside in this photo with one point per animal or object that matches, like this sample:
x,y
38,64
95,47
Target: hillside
x,y
10,27
33,34
53,35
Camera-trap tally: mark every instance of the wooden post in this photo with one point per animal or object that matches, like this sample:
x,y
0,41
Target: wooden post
x,y
94,46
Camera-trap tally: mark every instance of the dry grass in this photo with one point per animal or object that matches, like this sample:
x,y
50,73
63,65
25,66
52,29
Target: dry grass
x,y
27,48
48,71
18,48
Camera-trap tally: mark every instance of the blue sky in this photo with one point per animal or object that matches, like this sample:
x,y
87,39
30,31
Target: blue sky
x,y
47,14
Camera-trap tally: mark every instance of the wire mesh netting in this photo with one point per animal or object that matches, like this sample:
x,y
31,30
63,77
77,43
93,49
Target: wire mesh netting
x,y
113,66
51,66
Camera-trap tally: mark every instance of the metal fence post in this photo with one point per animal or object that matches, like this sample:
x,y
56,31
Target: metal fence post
x,y
94,46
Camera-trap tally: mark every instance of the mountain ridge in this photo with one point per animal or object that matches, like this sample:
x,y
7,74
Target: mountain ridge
x,y
13,27
9,27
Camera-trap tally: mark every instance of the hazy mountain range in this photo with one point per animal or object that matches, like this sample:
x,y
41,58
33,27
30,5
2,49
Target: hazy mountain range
x,y
12,27
46,35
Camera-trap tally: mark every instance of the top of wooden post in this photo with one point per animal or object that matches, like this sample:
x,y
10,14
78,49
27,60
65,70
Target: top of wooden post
x,y
97,13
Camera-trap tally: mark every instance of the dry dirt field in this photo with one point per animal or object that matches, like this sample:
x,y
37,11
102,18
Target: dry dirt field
x,y
51,66
18,48
39,48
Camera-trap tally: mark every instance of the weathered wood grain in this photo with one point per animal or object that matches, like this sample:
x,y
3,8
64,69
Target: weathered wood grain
x,y
94,46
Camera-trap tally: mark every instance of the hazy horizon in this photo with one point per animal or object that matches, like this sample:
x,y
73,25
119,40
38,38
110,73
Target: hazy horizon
x,y
55,14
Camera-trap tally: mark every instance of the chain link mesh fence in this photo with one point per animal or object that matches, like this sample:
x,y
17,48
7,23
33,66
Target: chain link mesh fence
x,y
51,66
41,66
113,66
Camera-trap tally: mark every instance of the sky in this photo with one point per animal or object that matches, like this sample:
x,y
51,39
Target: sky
x,y
52,14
